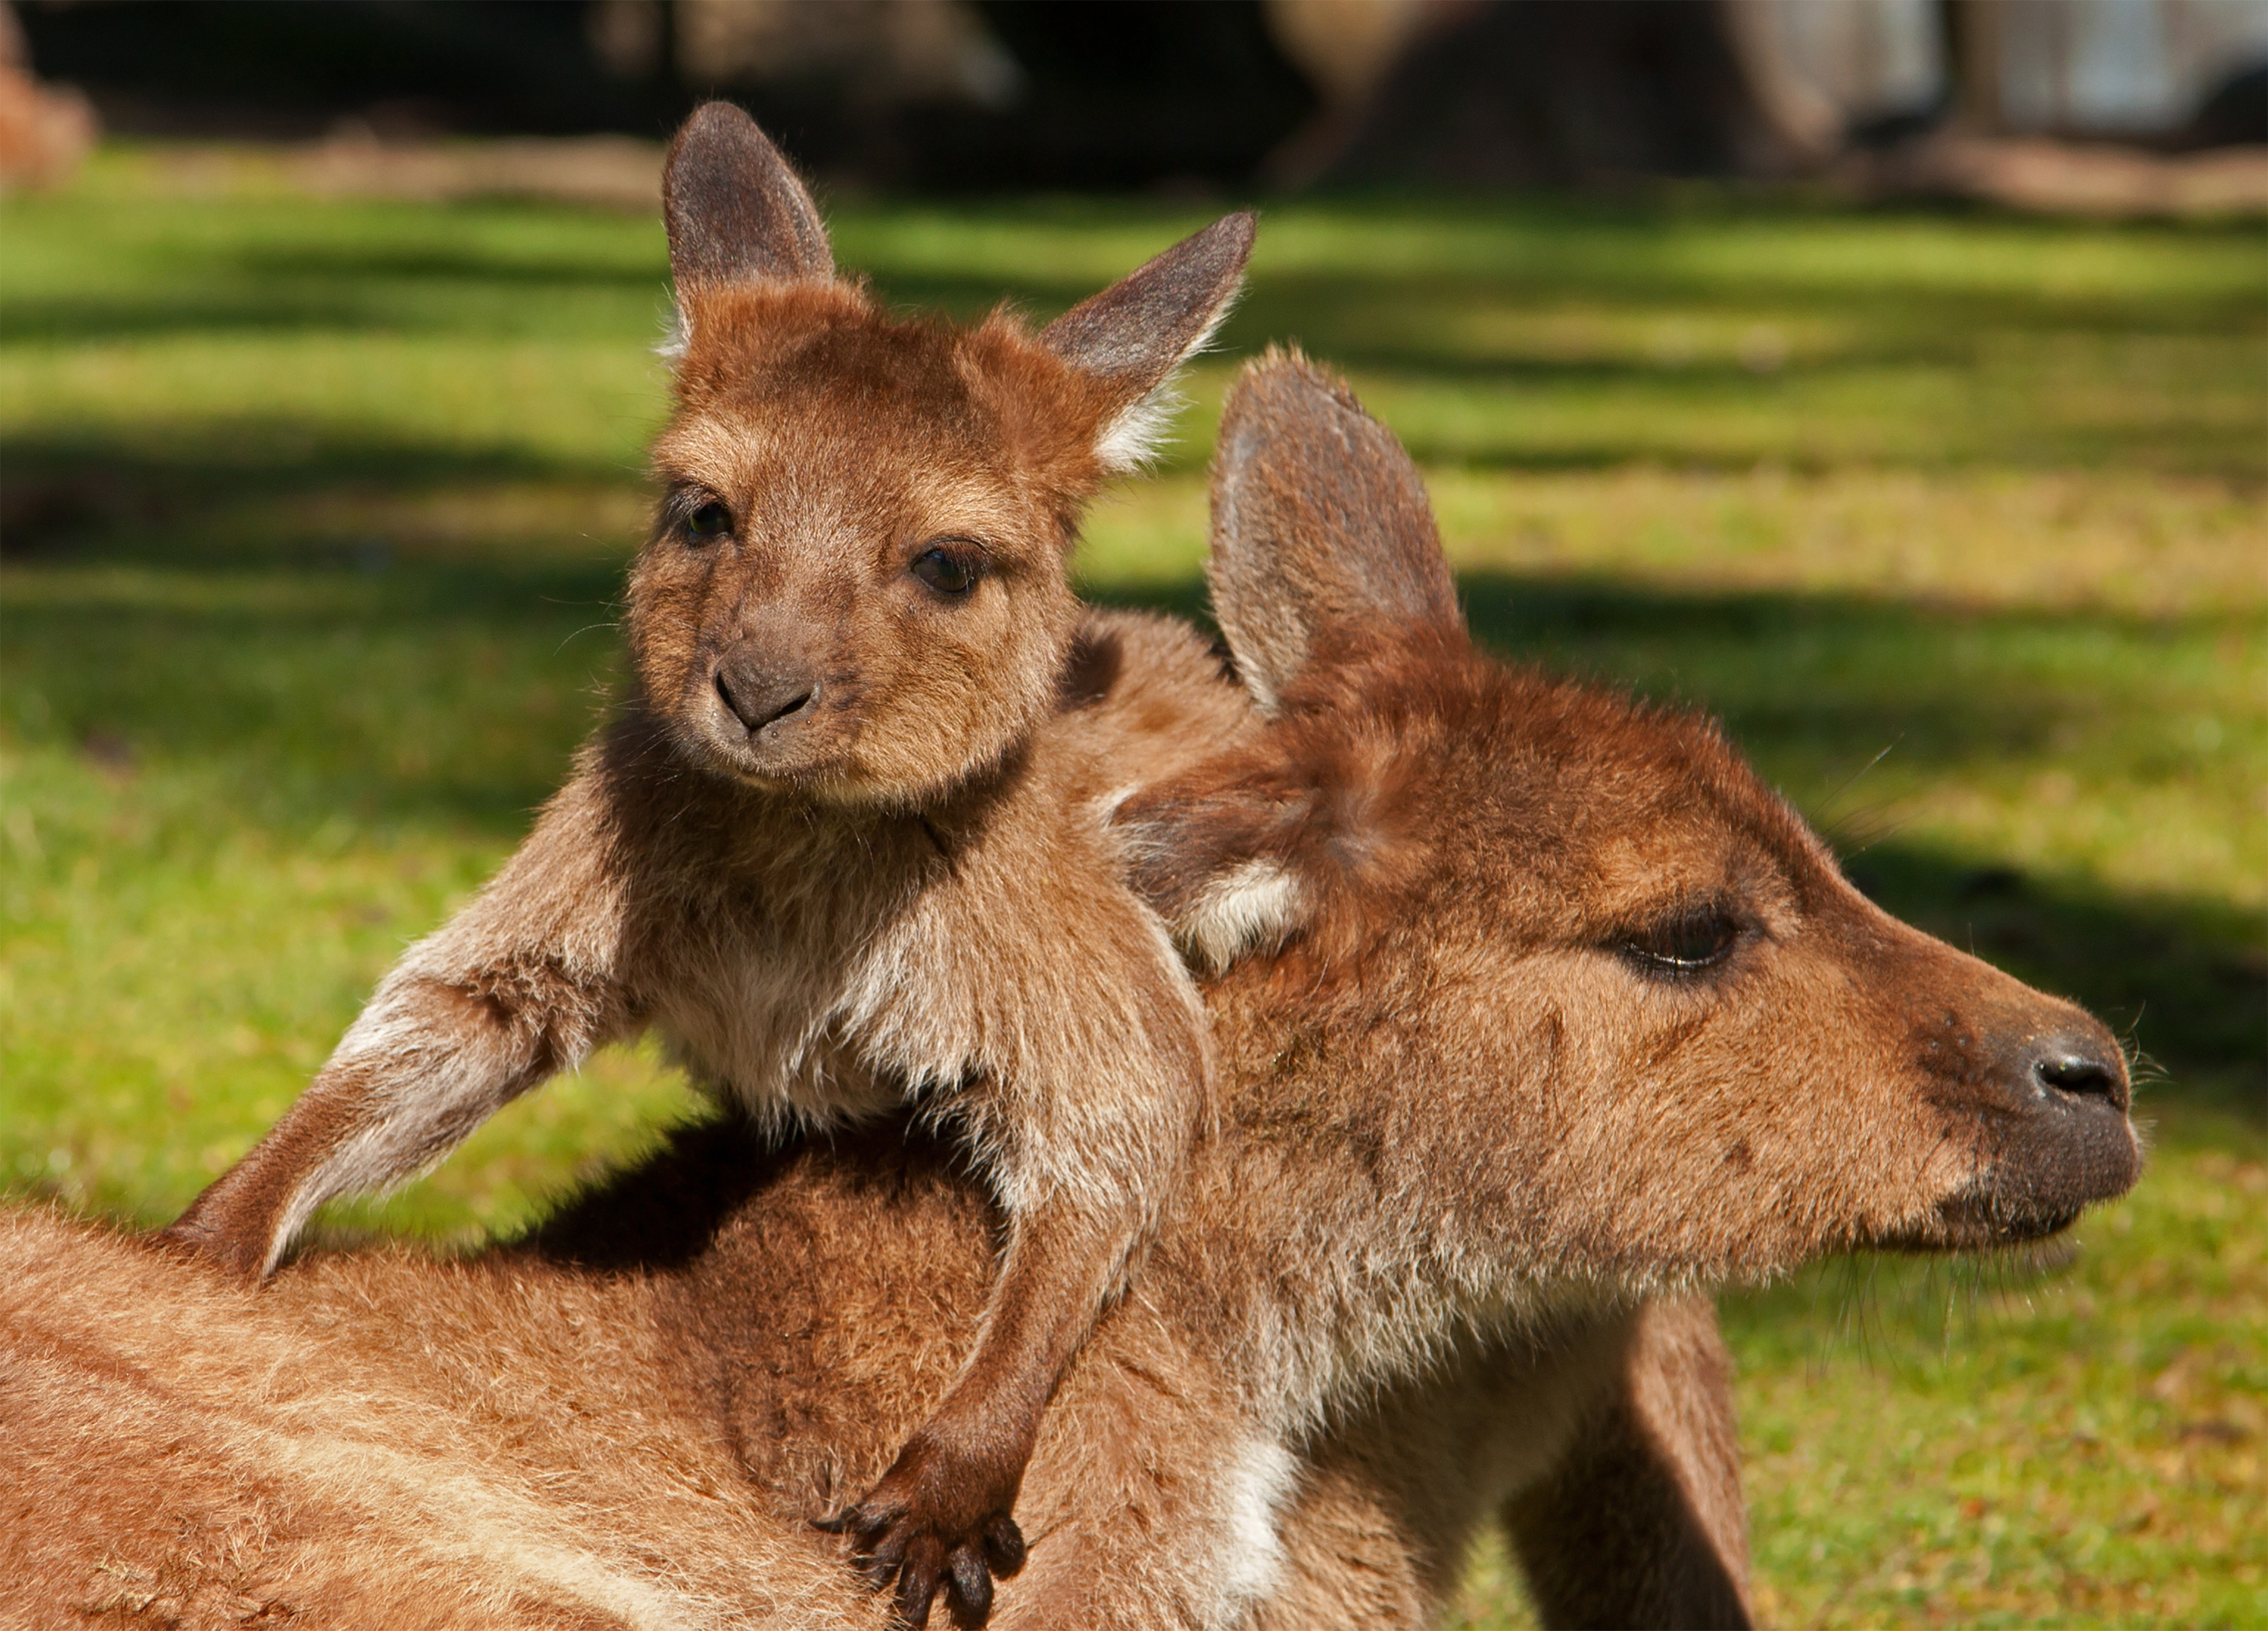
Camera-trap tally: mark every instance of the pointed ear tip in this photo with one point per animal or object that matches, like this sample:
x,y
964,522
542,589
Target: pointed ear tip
x,y
1285,360
717,114
1240,232
1226,243
1281,376
716,124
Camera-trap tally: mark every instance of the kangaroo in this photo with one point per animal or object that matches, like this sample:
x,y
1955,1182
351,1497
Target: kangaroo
x,y
563,1432
826,850
1533,1008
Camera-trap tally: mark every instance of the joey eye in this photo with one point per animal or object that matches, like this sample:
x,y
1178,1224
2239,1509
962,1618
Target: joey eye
x,y
1683,944
951,572
709,523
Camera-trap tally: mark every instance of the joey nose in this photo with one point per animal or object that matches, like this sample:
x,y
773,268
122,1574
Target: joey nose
x,y
2078,1066
763,691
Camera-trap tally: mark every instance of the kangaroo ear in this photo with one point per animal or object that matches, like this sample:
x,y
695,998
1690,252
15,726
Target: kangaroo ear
x,y
1136,332
736,212
1320,526
1212,853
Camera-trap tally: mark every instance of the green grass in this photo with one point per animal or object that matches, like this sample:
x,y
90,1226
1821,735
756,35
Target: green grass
x,y
314,513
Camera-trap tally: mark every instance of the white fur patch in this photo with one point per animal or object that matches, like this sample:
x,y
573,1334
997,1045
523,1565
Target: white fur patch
x,y
1247,907
1249,1565
470,1519
674,334
1133,437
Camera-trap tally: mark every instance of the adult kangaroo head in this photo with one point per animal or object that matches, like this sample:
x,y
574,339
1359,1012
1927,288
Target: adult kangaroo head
x,y
855,587
1629,1016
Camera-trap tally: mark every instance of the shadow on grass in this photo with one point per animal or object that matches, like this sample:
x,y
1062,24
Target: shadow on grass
x,y
352,265
64,494
1475,308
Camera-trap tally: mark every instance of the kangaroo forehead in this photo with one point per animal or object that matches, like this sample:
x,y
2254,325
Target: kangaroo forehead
x,y
1571,767
780,446
796,440
815,464
1573,809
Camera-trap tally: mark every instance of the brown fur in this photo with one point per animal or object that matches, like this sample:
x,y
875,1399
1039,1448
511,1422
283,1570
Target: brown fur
x,y
1415,1282
831,850
592,1430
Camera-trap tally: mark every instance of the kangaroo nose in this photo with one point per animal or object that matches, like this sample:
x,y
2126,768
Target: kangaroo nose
x,y
2081,1066
761,692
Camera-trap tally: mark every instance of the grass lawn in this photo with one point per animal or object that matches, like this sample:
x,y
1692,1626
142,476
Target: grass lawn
x,y
314,512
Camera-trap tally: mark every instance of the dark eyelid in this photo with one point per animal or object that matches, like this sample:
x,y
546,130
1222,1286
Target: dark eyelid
x,y
1658,945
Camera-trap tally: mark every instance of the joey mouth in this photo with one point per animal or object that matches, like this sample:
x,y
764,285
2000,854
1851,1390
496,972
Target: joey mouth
x,y
769,717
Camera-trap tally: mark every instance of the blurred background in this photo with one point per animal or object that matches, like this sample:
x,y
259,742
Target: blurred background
x,y
987,96
1889,376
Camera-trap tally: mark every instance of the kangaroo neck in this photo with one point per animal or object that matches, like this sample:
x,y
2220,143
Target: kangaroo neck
x,y
1312,1267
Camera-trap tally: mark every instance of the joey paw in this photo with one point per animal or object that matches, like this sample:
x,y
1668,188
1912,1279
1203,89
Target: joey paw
x,y
937,1520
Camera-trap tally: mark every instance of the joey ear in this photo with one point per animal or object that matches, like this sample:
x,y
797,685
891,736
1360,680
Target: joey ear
x,y
1320,526
736,212
1136,332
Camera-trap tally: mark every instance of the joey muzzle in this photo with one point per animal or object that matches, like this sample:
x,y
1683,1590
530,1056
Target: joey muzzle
x,y
770,692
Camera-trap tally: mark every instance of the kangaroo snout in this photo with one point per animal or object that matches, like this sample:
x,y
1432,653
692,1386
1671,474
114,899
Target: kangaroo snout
x,y
770,692
2027,1054
2054,1137
2073,1144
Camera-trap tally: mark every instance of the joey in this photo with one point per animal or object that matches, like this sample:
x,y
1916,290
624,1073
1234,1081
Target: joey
x,y
826,850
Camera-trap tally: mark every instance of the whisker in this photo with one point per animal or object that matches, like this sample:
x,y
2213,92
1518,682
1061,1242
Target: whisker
x,y
585,629
1887,829
1827,806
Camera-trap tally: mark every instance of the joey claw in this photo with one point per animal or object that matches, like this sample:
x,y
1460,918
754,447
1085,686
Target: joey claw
x,y
917,1581
968,1586
939,1519
879,1561
1004,1547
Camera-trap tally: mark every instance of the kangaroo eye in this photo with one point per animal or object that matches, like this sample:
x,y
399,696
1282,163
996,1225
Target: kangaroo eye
x,y
1685,943
707,523
948,571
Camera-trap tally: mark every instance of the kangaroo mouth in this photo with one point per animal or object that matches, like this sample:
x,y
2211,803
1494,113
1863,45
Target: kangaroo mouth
x,y
792,737
1977,1219
2037,1177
